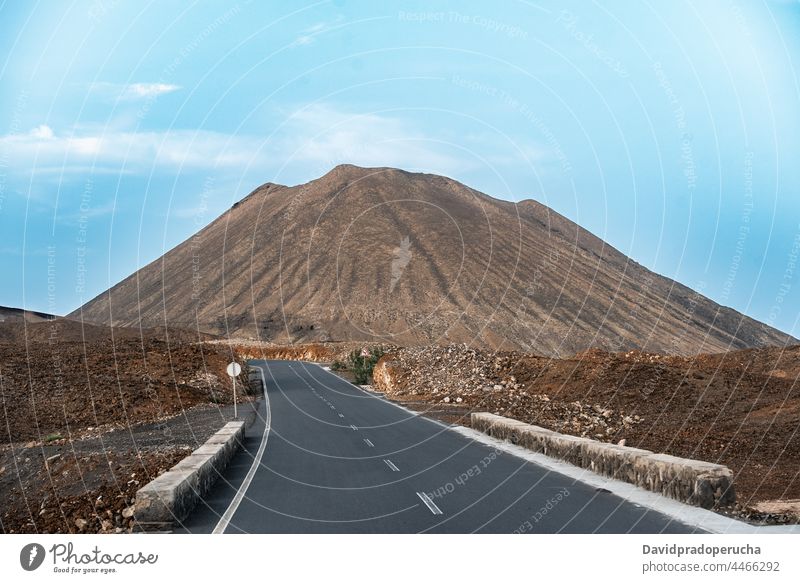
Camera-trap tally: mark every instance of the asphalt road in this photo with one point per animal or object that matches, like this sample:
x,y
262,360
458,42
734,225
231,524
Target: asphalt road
x,y
340,460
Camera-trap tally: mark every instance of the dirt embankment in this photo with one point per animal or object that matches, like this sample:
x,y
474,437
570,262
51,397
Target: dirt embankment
x,y
59,390
254,350
735,409
85,423
89,493
312,352
88,485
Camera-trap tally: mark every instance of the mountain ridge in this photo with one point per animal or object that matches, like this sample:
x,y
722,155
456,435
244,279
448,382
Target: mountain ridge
x,y
390,255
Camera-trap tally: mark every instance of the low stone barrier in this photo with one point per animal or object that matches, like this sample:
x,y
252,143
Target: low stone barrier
x,y
171,497
691,481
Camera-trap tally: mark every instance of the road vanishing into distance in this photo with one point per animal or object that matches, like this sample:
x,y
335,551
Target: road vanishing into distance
x,y
325,456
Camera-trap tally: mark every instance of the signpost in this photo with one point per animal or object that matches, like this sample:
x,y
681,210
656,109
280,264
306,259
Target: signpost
x,y
233,370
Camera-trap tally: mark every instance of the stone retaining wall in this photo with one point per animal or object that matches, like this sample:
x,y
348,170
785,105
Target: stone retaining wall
x,y
171,497
691,481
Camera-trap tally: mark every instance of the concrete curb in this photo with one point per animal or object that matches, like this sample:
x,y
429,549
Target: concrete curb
x,y
689,481
172,496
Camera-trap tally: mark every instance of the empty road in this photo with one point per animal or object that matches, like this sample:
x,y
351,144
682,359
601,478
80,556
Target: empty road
x,y
335,459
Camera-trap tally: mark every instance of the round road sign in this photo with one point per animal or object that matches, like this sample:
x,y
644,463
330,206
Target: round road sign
x,y
234,369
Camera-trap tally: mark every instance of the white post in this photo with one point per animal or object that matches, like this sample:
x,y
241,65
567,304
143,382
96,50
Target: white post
x,y
235,410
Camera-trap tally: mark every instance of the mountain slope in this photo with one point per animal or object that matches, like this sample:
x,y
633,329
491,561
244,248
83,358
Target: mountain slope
x,y
9,315
384,254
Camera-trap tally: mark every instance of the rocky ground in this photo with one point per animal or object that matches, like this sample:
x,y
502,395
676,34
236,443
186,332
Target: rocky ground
x,y
473,379
90,492
313,352
65,389
91,414
88,485
739,409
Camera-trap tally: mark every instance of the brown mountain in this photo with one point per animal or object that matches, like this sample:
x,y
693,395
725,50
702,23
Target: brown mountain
x,y
384,254
15,315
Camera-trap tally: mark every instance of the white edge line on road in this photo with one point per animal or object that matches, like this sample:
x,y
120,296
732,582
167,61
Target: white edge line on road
x,y
393,467
429,503
237,499
689,515
368,442
386,400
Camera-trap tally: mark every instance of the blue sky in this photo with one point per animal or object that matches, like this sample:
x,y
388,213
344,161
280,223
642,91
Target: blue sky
x,y
670,129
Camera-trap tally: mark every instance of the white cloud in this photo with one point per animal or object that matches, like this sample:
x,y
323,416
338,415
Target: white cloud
x,y
43,132
44,149
309,34
131,91
320,26
144,90
310,141
326,136
319,136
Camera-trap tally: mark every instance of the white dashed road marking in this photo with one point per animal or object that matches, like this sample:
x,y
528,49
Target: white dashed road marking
x,y
429,503
368,442
391,465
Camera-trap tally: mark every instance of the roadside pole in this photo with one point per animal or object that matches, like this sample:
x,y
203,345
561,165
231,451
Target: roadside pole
x,y
233,370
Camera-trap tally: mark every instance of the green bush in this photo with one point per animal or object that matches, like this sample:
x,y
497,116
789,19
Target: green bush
x,y
336,365
362,365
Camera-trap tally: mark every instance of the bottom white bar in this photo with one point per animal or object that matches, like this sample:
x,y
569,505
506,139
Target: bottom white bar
x,y
360,557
